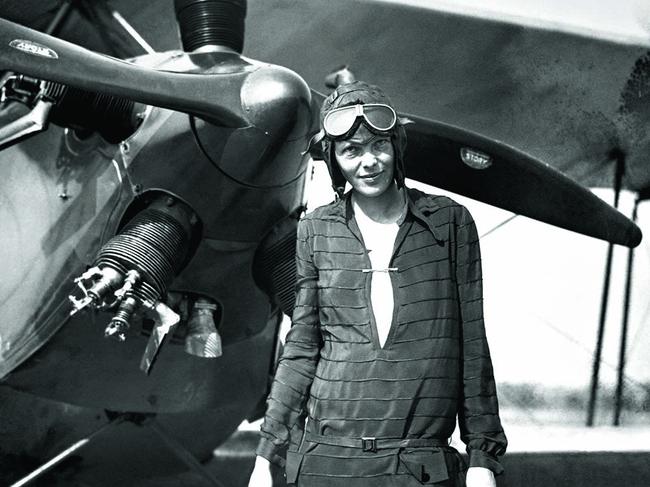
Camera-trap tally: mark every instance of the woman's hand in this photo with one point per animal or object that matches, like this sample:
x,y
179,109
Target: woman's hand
x,y
261,475
479,477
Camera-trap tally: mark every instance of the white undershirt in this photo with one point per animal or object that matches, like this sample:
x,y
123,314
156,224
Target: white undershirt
x,y
379,239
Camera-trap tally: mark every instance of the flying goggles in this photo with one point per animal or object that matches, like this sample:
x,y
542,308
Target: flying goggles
x,y
376,116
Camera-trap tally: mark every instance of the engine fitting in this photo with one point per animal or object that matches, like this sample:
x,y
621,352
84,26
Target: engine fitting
x,y
203,339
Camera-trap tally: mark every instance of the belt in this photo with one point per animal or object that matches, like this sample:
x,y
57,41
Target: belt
x,y
372,444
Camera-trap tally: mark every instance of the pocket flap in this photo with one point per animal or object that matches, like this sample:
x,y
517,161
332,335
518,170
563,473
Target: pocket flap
x,y
428,467
292,466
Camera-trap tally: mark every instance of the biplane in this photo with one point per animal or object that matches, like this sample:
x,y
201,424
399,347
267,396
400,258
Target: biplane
x,y
150,195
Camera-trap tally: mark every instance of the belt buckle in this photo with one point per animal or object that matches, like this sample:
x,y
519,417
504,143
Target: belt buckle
x,y
369,443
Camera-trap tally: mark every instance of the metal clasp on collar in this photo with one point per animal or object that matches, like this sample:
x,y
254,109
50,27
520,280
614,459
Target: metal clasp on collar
x,y
369,443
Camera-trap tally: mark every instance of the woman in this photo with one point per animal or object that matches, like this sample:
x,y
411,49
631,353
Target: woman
x,y
387,346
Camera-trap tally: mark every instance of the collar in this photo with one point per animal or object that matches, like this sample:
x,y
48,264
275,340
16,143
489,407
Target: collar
x,y
419,205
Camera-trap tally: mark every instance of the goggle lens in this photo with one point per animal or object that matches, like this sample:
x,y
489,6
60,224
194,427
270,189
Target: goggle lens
x,y
340,121
380,117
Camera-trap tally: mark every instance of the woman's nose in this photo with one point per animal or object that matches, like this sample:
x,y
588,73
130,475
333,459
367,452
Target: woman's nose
x,y
368,159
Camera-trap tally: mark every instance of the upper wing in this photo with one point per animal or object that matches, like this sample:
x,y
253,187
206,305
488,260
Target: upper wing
x,y
564,98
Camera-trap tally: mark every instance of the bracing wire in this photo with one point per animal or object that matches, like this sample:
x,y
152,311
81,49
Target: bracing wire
x,y
504,222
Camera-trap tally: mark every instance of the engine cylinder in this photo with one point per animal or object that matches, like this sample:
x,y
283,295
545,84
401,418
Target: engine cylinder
x,y
113,117
211,22
274,267
156,243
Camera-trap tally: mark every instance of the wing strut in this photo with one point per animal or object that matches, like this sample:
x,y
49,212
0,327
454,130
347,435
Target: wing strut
x,y
115,419
49,465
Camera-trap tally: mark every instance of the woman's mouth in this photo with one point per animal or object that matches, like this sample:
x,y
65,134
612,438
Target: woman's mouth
x,y
371,177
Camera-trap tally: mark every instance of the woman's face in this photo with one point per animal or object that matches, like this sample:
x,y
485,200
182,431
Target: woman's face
x,y
367,161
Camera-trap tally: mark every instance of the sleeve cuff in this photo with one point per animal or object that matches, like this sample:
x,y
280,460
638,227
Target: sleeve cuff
x,y
268,450
479,458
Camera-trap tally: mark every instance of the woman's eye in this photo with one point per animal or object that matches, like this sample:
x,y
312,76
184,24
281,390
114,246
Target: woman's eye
x,y
381,144
350,151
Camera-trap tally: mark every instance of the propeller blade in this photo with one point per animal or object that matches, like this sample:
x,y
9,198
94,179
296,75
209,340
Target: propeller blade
x,y
486,170
33,53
